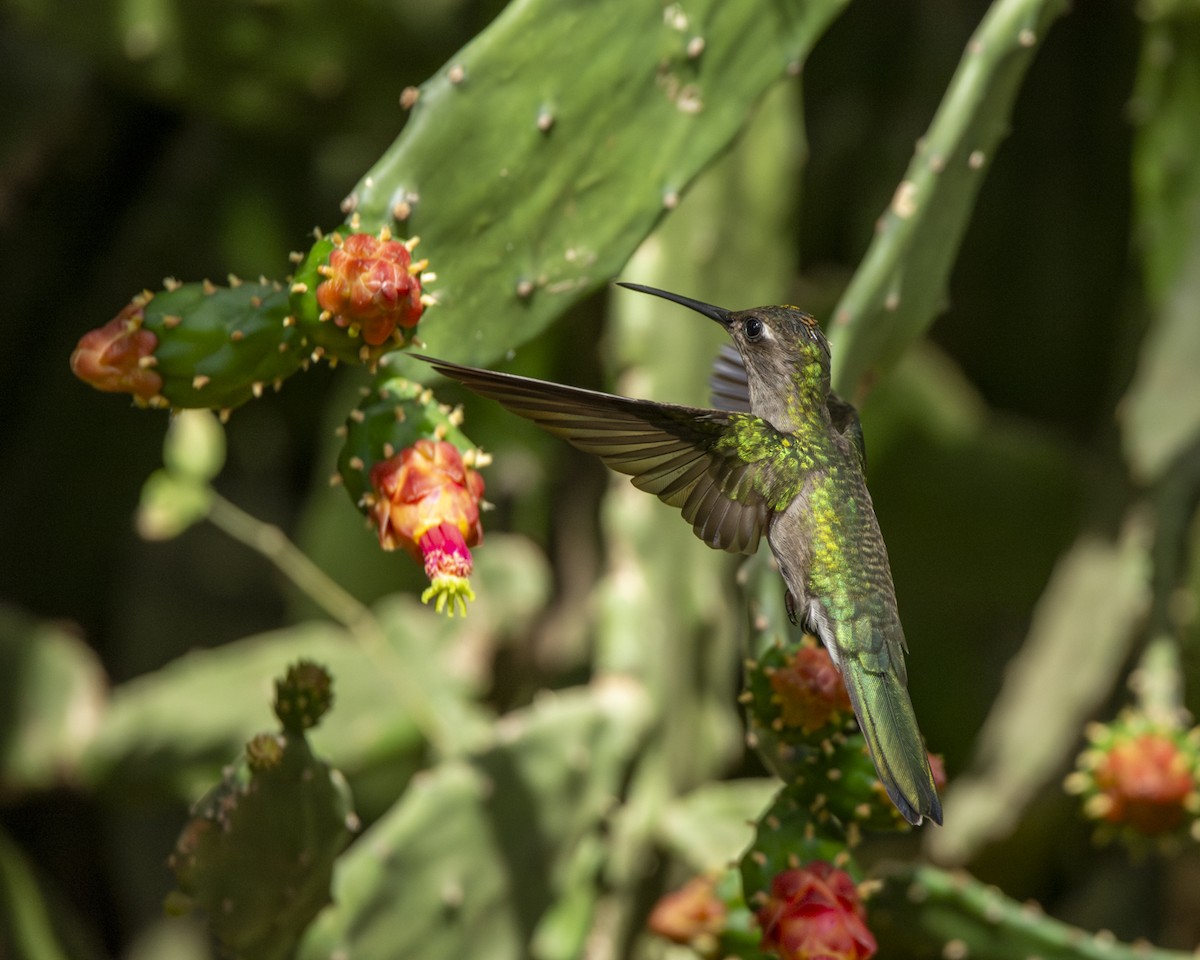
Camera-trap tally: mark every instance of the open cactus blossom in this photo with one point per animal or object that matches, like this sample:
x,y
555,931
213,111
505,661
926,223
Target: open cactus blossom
x,y
119,356
372,286
815,911
425,500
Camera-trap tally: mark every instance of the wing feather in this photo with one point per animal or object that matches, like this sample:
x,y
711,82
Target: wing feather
x,y
673,451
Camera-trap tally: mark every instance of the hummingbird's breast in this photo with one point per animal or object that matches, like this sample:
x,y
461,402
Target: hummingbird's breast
x,y
832,553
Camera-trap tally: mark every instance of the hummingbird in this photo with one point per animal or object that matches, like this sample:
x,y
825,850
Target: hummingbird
x,y
782,455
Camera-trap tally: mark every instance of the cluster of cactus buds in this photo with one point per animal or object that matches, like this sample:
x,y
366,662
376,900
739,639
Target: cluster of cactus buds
x,y
353,298
1139,778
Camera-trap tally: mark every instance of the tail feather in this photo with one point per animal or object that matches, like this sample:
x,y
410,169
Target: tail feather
x,y
885,715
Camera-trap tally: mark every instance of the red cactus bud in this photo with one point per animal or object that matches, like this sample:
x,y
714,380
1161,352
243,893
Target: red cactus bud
x,y
372,286
693,912
810,690
815,911
119,356
426,501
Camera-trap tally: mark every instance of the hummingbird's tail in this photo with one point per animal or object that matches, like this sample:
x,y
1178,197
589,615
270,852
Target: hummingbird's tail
x,y
885,715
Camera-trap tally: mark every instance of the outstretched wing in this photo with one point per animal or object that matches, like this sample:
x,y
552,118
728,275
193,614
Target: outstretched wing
x,y
681,454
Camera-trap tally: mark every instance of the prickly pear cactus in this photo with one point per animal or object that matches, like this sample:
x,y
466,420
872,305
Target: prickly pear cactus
x,y
257,854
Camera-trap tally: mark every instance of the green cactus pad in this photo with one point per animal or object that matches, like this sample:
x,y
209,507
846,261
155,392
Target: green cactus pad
x,y
788,835
539,157
481,854
220,346
921,908
257,855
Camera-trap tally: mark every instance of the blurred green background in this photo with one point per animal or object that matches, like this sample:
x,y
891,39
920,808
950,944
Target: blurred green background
x,y
192,139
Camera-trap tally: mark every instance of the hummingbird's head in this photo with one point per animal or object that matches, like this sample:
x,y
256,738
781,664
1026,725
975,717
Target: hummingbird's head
x,y
784,351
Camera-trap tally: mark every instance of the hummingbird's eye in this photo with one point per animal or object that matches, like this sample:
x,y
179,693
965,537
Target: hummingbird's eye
x,y
752,329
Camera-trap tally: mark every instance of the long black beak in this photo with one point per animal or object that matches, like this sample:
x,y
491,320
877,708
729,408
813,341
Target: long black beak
x,y
720,314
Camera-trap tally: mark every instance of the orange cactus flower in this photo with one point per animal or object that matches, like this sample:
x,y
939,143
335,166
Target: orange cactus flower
x,y
1147,781
1140,777
692,914
372,286
119,356
810,690
815,911
426,502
